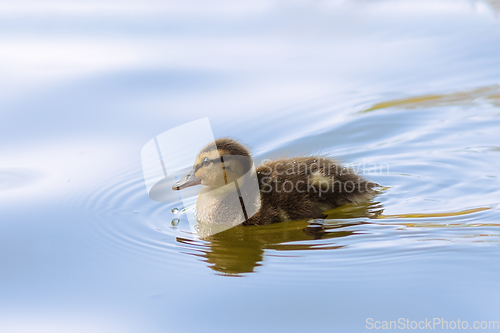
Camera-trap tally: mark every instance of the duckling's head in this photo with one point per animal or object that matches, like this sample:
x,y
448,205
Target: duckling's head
x,y
219,163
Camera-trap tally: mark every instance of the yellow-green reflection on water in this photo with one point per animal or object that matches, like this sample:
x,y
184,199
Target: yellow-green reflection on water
x,y
489,94
422,215
242,249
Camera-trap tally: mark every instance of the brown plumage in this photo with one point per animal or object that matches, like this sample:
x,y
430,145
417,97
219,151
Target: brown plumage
x,y
288,188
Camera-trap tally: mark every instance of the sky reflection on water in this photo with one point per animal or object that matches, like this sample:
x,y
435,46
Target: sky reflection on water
x,y
85,85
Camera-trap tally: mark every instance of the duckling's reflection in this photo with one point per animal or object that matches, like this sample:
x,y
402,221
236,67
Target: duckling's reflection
x,y
241,249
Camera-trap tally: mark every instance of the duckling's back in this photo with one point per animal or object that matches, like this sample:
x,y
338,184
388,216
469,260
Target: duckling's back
x,y
305,187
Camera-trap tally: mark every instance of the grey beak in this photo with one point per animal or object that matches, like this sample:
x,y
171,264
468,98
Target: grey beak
x,y
188,180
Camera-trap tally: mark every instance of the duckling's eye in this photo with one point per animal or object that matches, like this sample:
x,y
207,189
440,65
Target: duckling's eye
x,y
205,161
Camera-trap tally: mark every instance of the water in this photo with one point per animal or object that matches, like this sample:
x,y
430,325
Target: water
x,y
408,92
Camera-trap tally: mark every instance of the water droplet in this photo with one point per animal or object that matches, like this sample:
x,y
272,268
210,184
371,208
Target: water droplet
x,y
175,222
175,210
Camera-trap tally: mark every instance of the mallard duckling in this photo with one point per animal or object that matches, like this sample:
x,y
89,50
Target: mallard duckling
x,y
288,188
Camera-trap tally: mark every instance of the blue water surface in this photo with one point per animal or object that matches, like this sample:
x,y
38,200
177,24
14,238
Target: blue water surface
x,y
407,91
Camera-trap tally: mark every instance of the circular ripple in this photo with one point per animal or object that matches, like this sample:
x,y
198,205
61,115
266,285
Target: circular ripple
x,y
117,213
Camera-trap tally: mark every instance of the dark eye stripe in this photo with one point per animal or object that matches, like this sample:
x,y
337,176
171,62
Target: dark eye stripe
x,y
206,161
214,160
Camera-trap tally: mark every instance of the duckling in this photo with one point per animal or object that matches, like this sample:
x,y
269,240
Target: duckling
x,y
288,188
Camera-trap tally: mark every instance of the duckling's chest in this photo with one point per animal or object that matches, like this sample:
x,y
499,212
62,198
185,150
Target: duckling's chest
x,y
220,208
